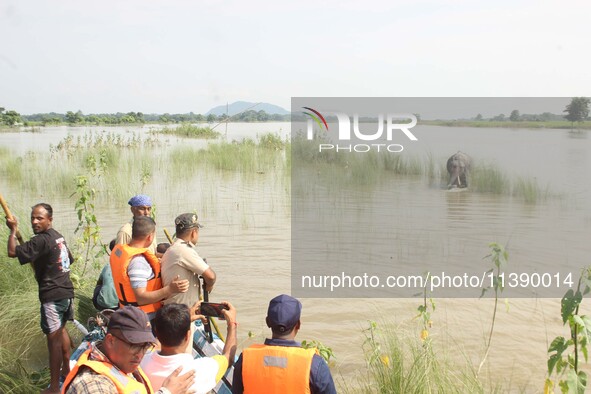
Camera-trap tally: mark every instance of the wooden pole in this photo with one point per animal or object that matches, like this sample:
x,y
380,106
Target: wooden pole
x,y
9,216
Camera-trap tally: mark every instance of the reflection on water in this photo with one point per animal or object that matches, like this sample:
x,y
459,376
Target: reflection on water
x,y
247,238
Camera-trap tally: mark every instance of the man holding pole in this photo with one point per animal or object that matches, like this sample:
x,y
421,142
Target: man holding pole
x,y
48,253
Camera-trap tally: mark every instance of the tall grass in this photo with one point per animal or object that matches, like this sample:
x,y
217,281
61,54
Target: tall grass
x,y
489,179
246,157
401,364
189,130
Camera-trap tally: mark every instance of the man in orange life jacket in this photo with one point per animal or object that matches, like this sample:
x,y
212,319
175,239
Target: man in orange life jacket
x,y
113,364
136,270
281,365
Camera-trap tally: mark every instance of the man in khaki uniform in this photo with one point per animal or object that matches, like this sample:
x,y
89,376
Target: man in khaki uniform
x,y
183,260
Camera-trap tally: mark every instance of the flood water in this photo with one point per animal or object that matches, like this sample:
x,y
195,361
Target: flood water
x,y
247,240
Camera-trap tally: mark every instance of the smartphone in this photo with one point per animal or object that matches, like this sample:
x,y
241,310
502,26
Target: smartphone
x,y
212,309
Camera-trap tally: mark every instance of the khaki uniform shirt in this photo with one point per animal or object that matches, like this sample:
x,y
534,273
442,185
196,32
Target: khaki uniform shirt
x,y
183,260
124,236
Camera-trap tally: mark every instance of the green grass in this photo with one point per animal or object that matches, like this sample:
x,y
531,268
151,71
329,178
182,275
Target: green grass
x,y
189,130
529,190
398,363
246,157
509,124
488,179
20,332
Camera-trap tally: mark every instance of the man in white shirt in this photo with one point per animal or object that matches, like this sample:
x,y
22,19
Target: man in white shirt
x,y
172,327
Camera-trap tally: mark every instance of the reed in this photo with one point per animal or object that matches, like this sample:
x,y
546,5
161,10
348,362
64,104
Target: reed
x,y
400,364
529,190
489,179
190,131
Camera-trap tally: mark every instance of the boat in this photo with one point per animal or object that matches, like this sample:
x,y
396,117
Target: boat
x,y
201,347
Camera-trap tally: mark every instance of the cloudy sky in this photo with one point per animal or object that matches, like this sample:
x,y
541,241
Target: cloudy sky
x,y
180,56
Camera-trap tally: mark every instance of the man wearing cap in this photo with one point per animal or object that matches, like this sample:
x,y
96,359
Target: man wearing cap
x,y
281,365
140,205
182,260
136,270
113,364
172,327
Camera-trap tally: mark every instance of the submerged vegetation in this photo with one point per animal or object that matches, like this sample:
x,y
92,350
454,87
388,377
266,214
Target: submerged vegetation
x,y
344,169
189,130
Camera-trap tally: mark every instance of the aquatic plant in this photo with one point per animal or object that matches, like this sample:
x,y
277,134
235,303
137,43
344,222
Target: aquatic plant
x,y
189,130
398,364
565,358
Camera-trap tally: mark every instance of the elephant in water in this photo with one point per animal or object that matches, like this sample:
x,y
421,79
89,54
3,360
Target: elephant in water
x,y
458,167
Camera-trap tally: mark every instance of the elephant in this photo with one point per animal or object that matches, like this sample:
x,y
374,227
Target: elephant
x,y
458,167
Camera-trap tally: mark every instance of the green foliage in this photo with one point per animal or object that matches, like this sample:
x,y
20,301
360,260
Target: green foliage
x,y
10,118
564,359
271,141
89,247
325,351
189,130
499,257
409,365
577,110
426,308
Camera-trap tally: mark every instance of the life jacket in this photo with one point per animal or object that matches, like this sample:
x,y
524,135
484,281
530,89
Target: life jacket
x,y
121,256
276,369
124,383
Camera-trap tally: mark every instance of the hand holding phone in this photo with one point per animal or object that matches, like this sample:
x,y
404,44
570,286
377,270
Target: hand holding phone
x,y
212,309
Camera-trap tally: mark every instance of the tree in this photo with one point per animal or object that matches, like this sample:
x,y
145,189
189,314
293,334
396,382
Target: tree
x,y
211,118
73,118
514,117
10,118
478,117
577,110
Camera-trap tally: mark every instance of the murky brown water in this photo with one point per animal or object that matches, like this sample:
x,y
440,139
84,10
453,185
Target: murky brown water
x,y
247,241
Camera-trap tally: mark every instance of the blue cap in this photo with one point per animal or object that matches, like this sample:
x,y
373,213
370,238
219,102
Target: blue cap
x,y
141,200
283,313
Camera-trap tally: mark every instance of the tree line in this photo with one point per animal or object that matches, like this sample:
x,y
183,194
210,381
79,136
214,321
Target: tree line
x,y
576,111
12,118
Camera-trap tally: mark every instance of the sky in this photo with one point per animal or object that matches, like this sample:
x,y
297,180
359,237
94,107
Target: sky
x,y
181,56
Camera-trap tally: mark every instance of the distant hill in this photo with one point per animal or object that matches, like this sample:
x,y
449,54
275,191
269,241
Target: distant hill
x,y
240,106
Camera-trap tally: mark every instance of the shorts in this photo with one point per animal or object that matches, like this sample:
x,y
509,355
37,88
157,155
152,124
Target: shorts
x,y
54,314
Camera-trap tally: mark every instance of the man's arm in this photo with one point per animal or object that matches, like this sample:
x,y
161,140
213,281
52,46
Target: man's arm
x,y
144,297
210,277
320,378
140,272
229,350
12,224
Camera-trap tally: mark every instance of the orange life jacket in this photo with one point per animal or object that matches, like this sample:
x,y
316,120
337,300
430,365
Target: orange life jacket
x,y
124,383
121,256
276,369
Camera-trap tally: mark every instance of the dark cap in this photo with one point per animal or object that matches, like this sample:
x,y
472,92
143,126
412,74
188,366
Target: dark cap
x,y
283,313
133,323
186,221
141,200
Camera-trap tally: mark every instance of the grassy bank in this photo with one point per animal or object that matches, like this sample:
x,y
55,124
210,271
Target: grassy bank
x,y
586,125
403,363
